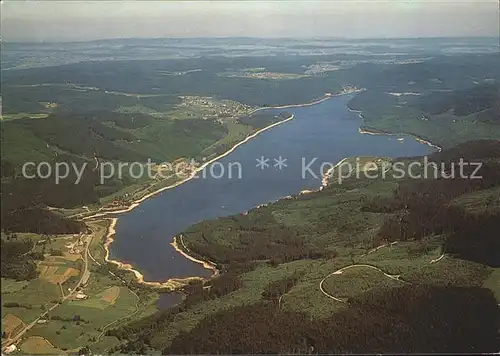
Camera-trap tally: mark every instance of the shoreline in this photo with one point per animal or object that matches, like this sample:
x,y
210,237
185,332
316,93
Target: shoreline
x,y
324,182
171,284
366,131
232,149
263,205
183,250
175,283
328,173
324,178
192,175
315,102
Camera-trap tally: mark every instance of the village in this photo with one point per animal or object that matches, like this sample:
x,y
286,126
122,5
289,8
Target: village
x,y
209,107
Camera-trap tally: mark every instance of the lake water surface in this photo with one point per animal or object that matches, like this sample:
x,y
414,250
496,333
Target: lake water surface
x,y
327,132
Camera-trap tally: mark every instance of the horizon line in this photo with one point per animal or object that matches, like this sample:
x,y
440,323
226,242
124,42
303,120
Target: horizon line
x,y
338,38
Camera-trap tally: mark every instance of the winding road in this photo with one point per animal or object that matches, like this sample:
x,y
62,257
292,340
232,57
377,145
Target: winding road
x,y
341,270
105,327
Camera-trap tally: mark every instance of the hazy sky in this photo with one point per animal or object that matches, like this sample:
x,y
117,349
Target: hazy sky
x,y
84,20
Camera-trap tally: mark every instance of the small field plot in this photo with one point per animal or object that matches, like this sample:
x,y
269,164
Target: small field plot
x,y
56,272
305,296
101,300
72,257
357,280
110,295
36,292
236,132
75,323
12,286
106,343
11,325
36,345
96,245
29,302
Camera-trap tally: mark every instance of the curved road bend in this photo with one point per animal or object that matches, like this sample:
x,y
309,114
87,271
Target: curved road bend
x,y
394,277
339,271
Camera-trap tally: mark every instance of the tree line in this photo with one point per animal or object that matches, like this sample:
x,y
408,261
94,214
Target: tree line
x,y
16,260
409,319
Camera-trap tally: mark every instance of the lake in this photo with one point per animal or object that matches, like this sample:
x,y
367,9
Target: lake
x,y
325,132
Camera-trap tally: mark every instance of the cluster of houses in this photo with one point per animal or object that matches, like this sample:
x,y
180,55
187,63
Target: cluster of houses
x,y
214,108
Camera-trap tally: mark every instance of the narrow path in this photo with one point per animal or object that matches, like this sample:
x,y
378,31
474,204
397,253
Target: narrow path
x,y
35,243
438,259
341,270
104,328
279,301
62,291
85,271
100,264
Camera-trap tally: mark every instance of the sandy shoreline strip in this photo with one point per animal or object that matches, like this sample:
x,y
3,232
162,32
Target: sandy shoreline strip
x,y
192,175
170,285
377,132
183,250
328,173
354,111
295,105
178,243
324,182
232,149
174,283
381,133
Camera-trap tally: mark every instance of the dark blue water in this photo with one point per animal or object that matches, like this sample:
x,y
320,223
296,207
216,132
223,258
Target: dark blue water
x,y
326,131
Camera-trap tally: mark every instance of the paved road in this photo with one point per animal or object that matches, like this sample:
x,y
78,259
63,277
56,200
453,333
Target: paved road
x,y
69,295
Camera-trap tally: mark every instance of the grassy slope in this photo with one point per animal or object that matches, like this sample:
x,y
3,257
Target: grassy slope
x,y
443,132
427,115
351,238
305,214
119,137
64,333
484,201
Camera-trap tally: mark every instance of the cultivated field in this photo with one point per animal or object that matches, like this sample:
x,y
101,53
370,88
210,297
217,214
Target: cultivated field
x,y
11,325
110,295
39,346
57,272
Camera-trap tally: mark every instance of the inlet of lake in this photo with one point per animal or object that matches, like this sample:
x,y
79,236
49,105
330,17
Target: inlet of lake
x,y
324,132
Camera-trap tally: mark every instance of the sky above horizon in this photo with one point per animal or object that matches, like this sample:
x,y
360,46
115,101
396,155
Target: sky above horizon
x,y
46,20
